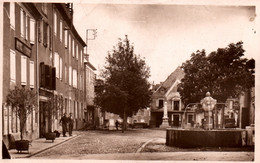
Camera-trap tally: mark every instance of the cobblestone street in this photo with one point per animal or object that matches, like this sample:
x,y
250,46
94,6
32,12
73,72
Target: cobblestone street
x,y
102,142
139,144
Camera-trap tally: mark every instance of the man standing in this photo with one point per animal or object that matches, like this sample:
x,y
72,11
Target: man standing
x,y
64,121
71,122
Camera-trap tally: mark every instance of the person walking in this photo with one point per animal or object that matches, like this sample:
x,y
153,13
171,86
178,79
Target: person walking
x,y
117,123
64,122
71,123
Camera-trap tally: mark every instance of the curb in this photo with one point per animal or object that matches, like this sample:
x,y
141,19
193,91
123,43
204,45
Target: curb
x,y
55,145
142,147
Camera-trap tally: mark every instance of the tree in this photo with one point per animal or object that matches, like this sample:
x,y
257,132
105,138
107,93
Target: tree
x,y
23,100
125,88
224,73
53,106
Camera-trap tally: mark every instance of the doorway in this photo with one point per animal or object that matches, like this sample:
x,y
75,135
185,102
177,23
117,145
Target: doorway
x,y
176,122
44,121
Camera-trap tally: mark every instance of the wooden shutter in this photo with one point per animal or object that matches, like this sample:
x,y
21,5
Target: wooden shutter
x,y
42,72
45,33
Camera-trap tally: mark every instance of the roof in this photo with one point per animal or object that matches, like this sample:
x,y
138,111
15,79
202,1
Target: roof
x,y
90,65
178,73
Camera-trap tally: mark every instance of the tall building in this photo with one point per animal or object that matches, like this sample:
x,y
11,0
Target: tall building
x,y
42,51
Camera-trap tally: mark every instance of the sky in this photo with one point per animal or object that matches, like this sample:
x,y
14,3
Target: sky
x,y
165,35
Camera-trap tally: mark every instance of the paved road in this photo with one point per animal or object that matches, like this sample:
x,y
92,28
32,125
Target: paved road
x,y
114,145
103,142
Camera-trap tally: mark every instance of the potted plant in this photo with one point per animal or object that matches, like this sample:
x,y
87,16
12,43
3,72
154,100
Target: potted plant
x,y
54,105
23,100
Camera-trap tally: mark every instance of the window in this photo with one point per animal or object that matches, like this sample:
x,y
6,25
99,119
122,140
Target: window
x,y
75,78
176,105
32,74
60,68
26,27
70,75
65,74
66,38
190,118
50,37
69,42
12,66
32,31
61,30
77,56
12,15
22,22
160,103
56,64
73,50
45,34
81,57
23,70
55,23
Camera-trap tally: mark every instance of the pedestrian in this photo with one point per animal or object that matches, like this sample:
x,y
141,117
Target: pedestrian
x,y
64,122
117,123
71,122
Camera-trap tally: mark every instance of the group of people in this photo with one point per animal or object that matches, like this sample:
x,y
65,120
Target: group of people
x,y
67,122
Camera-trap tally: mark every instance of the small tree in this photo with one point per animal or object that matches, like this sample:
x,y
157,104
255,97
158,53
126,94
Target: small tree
x,y
53,106
23,100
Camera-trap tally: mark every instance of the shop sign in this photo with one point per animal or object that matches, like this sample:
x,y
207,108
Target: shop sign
x,y
22,47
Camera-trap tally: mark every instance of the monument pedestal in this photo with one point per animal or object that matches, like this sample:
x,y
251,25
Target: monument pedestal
x,y
165,123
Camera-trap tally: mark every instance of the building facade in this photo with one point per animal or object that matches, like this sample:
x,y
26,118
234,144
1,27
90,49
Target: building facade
x,y
43,51
166,94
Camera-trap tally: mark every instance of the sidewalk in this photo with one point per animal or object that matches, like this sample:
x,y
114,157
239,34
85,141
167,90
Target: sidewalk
x,y
40,145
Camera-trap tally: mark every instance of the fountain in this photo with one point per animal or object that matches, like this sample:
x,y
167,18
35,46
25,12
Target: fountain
x,y
211,135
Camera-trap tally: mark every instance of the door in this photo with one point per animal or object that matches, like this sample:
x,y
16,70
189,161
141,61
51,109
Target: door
x,y
42,119
176,120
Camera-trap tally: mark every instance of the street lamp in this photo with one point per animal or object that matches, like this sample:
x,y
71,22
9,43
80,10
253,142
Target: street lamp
x,y
208,104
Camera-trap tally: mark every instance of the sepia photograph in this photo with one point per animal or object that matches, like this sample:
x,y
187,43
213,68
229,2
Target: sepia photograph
x,y
129,80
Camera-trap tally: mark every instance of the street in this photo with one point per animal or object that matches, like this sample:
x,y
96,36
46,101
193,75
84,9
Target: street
x,y
140,144
103,142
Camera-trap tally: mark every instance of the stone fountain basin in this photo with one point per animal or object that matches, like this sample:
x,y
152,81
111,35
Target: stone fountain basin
x,y
192,138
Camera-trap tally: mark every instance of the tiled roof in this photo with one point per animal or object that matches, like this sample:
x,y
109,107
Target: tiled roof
x,y
177,74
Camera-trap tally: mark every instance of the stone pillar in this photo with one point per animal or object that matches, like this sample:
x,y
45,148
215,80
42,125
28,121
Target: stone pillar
x,y
165,122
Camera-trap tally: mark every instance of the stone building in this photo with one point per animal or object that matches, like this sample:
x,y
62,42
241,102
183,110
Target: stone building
x,y
43,51
166,93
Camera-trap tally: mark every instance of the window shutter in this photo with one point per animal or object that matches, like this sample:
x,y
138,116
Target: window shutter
x,y
45,33
66,38
39,31
50,38
32,74
157,103
47,77
32,31
12,15
22,22
42,70
23,70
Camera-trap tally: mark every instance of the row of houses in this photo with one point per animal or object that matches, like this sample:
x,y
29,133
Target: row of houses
x,y
43,51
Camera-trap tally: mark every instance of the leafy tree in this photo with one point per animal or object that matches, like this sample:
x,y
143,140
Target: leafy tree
x,y
125,88
53,106
23,100
224,73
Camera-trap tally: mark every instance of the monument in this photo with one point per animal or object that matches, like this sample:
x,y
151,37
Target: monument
x,y
208,104
165,122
